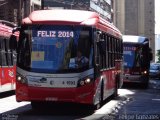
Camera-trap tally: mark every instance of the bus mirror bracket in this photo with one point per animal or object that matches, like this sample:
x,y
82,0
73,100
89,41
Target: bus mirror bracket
x,y
99,32
15,29
150,56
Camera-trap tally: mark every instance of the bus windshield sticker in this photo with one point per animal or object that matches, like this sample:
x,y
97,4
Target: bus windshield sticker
x,y
37,56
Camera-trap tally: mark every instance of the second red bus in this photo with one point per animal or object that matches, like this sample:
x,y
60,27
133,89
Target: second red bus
x,y
8,43
137,57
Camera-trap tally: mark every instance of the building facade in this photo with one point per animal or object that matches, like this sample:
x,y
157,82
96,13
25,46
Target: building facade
x,y
29,5
136,17
103,7
15,10
9,10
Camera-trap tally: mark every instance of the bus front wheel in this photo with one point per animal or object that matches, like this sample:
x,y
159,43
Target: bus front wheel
x,y
97,106
36,105
115,94
99,98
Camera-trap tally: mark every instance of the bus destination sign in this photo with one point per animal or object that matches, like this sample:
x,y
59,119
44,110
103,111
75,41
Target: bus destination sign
x,y
55,34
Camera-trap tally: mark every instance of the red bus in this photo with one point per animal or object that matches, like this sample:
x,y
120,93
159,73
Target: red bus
x,y
137,57
47,69
7,56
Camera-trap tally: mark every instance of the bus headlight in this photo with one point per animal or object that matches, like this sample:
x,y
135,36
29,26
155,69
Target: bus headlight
x,y
21,78
144,72
88,80
85,81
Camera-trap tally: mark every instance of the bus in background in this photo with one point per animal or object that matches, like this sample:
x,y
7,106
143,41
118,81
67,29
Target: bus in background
x,y
47,64
7,56
137,56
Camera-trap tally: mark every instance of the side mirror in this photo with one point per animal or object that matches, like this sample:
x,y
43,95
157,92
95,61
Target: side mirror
x,y
150,56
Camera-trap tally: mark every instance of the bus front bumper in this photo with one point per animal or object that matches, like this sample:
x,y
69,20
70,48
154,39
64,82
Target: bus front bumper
x,y
84,94
135,78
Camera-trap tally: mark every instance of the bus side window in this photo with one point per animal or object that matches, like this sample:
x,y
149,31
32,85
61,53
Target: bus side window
x,y
101,50
97,61
3,53
8,53
13,48
109,51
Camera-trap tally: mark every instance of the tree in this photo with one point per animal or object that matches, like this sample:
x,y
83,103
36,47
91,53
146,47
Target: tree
x,y
158,55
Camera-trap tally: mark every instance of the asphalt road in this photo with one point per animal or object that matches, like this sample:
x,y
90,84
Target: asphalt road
x,y
144,104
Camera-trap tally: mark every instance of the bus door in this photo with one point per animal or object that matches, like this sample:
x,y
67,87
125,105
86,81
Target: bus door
x,y
100,58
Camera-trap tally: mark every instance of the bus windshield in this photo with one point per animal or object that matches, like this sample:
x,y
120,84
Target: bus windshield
x,y
54,48
132,55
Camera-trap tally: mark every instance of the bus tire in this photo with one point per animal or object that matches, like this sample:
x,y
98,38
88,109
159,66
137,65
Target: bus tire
x,y
101,95
99,105
100,98
35,105
145,85
115,94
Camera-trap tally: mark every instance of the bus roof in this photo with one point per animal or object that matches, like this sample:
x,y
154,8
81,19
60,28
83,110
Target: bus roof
x,y
135,39
71,17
